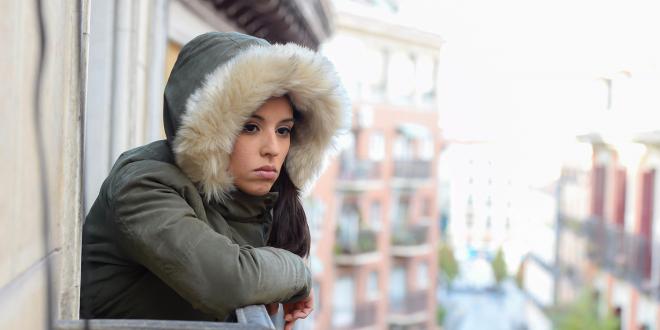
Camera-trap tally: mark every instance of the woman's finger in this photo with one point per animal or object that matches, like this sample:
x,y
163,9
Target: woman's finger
x,y
289,325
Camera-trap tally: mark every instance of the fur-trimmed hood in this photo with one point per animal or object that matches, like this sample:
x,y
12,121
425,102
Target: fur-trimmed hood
x,y
220,79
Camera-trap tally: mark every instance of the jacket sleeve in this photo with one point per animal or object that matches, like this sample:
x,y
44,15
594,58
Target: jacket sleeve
x,y
160,230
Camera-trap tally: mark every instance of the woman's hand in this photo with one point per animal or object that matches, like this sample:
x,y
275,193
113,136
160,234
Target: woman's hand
x,y
297,310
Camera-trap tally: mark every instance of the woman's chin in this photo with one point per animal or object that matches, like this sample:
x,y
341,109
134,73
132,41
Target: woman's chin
x,y
257,189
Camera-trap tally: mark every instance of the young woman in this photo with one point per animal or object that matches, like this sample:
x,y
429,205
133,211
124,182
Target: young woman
x,y
210,220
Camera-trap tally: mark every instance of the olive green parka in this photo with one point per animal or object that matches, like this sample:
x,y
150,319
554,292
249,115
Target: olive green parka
x,y
169,236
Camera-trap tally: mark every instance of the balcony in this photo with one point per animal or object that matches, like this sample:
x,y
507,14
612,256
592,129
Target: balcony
x,y
411,309
412,169
628,256
411,240
364,317
359,174
354,250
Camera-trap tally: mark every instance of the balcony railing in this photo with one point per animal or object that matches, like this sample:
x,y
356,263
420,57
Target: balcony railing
x,y
365,316
360,170
358,249
413,302
412,169
417,234
250,317
628,256
364,242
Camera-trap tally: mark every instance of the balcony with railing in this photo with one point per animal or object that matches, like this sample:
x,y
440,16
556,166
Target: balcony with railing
x,y
410,240
359,174
627,256
412,169
356,249
365,317
411,308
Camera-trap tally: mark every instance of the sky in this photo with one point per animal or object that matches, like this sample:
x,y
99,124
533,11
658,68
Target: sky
x,y
529,73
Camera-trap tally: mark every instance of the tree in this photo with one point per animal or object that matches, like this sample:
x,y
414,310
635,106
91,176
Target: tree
x,y
499,266
583,314
448,264
520,275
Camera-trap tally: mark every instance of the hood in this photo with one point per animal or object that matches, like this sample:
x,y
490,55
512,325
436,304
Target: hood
x,y
220,79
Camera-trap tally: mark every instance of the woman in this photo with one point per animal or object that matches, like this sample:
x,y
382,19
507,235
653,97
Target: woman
x,y
182,228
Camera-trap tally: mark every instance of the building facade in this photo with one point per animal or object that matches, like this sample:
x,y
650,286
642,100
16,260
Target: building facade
x,y
609,219
378,201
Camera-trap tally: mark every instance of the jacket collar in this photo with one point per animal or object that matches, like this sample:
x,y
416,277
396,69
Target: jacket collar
x,y
243,207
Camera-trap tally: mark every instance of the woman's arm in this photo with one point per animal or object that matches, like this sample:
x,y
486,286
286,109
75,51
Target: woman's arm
x,y
161,231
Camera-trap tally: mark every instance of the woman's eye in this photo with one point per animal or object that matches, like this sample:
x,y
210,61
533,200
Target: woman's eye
x,y
284,131
250,128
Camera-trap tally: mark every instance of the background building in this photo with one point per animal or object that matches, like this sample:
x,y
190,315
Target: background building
x,y
377,202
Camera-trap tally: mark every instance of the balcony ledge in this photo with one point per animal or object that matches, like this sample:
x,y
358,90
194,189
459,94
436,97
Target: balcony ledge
x,y
402,183
407,319
359,184
407,251
357,259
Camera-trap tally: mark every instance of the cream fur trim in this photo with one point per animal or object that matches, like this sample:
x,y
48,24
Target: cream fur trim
x,y
215,114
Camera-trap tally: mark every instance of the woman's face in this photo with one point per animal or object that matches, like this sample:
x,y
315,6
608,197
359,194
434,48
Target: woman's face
x,y
261,147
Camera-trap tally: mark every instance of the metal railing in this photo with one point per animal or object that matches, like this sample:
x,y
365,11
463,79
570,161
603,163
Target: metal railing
x,y
412,302
365,316
417,234
360,170
628,256
365,242
412,169
250,317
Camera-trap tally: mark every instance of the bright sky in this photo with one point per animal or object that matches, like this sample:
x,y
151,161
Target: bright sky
x,y
527,71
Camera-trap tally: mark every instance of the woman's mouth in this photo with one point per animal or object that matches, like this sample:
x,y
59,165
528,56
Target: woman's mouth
x,y
266,172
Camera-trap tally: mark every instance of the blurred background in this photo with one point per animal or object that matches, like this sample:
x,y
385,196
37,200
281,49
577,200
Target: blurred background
x,y
499,173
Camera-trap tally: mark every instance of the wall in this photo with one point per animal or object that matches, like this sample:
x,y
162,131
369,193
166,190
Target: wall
x,y
23,256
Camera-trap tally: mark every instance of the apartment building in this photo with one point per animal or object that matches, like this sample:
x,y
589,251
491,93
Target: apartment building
x,y
377,202
609,219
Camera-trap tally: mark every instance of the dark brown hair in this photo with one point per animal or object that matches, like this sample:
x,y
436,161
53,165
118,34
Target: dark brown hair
x,y
289,229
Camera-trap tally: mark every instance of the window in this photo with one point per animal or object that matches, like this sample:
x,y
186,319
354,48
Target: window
x,y
343,302
422,275
317,296
402,211
397,286
375,215
376,146
403,149
426,147
372,286
315,210
349,223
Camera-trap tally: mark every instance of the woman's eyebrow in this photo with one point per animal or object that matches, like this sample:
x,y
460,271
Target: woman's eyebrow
x,y
281,121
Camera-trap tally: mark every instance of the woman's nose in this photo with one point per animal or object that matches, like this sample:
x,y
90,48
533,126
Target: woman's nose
x,y
270,146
